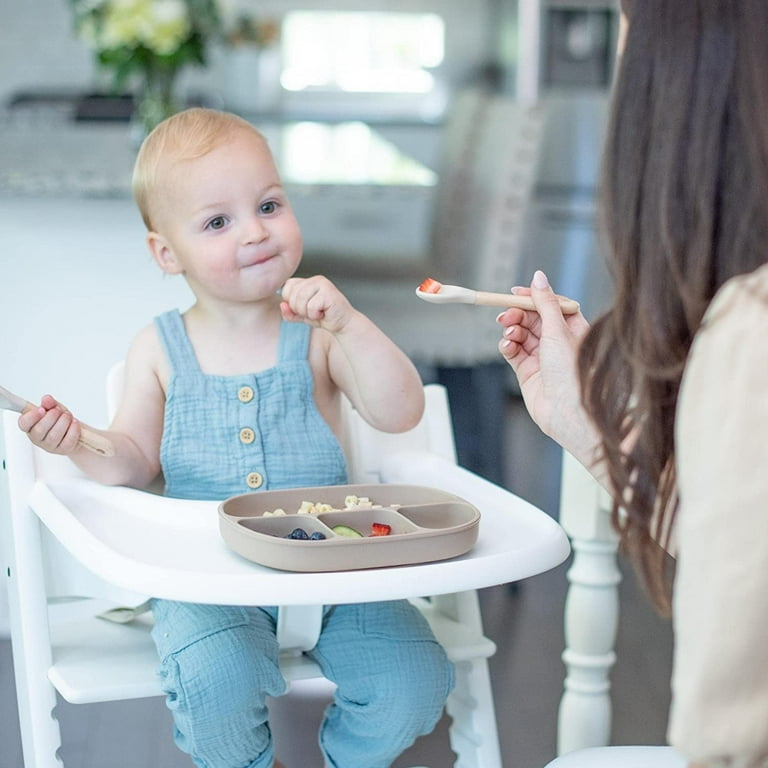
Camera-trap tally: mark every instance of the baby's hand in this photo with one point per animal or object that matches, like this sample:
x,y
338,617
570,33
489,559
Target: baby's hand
x,y
317,302
51,426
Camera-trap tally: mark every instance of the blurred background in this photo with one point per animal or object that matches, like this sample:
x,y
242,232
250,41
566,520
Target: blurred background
x,y
417,138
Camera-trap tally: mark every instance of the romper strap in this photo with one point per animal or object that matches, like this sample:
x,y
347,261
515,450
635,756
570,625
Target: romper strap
x,y
176,343
294,341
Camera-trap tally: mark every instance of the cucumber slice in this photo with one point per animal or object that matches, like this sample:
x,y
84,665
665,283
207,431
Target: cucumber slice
x,y
345,530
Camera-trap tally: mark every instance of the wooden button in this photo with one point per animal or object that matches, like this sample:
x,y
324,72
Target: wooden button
x,y
254,480
247,435
245,394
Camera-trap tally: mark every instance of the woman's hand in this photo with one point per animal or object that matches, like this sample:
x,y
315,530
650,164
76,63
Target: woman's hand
x,y
542,348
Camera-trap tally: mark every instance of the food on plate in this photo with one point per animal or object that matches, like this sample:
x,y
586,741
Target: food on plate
x,y
380,529
346,530
300,534
319,508
313,508
351,503
377,529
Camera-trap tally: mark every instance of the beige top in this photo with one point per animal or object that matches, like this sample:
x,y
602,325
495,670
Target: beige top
x,y
720,681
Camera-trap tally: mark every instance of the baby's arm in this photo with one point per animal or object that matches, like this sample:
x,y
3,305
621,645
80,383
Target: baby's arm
x,y
366,365
135,432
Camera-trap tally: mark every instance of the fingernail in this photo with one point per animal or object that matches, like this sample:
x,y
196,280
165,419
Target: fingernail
x,y
499,316
540,280
505,343
508,331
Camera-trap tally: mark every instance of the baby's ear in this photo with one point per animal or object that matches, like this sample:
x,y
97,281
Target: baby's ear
x,y
163,254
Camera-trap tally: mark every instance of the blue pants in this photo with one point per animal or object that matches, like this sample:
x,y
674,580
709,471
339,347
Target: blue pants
x,y
218,664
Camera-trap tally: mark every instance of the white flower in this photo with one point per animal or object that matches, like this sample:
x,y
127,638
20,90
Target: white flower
x,y
169,26
160,25
123,23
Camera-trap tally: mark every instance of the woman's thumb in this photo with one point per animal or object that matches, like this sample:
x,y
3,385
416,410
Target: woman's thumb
x,y
542,292
540,282
546,301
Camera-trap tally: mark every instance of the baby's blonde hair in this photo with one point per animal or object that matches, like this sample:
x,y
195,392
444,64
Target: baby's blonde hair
x,y
183,136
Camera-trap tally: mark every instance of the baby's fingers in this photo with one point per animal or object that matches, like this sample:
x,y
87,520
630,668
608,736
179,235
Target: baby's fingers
x,y
30,416
53,429
303,298
63,434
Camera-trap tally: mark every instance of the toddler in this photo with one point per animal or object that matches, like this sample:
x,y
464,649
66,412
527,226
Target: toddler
x,y
242,392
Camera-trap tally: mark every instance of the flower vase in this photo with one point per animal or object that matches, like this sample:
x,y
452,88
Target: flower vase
x,y
157,98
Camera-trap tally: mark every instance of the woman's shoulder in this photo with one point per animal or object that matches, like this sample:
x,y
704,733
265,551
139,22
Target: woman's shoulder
x,y
728,356
732,332
741,298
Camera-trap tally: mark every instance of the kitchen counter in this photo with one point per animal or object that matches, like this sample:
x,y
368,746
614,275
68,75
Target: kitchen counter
x,y
346,182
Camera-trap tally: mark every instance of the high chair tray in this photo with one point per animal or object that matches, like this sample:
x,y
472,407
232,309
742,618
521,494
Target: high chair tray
x,y
397,525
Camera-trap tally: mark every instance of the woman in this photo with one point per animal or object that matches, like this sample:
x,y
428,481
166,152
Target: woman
x,y
665,397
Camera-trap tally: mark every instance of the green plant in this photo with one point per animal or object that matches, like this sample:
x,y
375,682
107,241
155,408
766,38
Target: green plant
x,y
134,37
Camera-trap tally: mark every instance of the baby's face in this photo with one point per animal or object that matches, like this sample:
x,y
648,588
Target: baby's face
x,y
228,223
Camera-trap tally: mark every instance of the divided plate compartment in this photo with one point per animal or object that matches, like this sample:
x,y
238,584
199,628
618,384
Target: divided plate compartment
x,y
426,525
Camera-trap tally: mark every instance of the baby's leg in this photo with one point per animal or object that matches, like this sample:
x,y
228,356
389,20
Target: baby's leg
x,y
218,663
393,678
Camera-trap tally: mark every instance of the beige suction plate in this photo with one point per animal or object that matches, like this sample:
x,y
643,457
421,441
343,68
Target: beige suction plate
x,y
427,525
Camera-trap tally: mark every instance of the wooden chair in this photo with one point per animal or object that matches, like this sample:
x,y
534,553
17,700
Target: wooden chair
x,y
74,549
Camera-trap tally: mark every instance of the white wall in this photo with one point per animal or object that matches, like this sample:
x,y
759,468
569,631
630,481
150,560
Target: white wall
x,y
76,284
37,48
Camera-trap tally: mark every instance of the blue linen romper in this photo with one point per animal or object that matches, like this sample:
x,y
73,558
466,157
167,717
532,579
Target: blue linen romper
x,y
225,435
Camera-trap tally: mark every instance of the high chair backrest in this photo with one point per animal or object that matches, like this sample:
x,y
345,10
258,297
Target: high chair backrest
x,y
37,553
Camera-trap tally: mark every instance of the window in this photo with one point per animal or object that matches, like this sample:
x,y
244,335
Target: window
x,y
361,52
346,153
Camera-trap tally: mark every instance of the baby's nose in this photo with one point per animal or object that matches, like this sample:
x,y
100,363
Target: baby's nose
x,y
255,231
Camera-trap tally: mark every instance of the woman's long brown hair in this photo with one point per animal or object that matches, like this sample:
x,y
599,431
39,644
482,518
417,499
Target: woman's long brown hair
x,y
685,204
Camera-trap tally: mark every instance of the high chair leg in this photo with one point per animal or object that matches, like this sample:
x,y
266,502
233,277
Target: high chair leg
x,y
473,732
40,733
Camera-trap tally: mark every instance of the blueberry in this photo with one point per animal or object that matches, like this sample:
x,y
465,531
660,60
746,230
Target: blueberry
x,y
297,533
317,536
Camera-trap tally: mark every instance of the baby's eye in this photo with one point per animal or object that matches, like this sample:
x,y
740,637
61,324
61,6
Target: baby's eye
x,y
219,222
268,207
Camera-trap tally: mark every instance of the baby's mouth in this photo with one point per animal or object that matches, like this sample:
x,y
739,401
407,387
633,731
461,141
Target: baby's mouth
x,y
255,261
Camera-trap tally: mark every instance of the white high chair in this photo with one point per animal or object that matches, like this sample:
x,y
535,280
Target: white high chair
x,y
73,548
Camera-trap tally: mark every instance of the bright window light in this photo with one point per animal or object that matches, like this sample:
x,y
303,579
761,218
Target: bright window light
x,y
361,52
346,153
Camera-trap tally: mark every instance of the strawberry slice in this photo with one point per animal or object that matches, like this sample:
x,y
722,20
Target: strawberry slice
x,y
380,529
430,286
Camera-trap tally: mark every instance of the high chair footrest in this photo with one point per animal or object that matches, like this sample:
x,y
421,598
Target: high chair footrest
x,y
461,642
